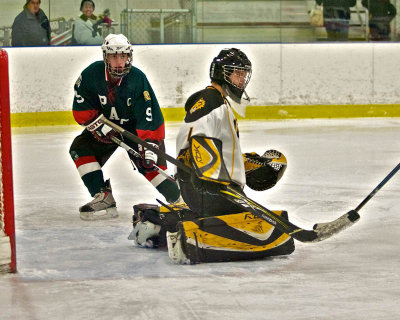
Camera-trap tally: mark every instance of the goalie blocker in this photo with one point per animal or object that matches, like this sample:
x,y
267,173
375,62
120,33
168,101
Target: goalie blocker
x,y
190,239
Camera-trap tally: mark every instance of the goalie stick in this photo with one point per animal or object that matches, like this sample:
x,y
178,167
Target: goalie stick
x,y
378,187
321,231
137,155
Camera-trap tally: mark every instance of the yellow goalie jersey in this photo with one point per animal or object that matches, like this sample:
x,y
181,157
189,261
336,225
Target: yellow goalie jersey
x,y
209,114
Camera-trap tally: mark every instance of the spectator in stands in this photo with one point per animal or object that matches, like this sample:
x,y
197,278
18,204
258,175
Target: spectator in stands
x,y
337,18
85,29
381,13
31,27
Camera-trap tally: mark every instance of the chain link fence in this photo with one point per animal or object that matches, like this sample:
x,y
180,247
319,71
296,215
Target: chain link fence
x,y
143,26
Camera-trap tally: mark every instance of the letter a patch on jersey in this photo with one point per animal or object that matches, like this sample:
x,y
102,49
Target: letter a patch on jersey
x,y
205,154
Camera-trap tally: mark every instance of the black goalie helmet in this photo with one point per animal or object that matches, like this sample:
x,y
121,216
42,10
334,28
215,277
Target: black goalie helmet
x,y
231,69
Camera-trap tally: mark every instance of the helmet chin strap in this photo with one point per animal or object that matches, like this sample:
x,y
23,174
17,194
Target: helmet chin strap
x,y
238,104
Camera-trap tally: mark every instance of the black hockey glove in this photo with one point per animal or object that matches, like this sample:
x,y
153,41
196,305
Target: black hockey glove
x,y
100,131
263,172
149,158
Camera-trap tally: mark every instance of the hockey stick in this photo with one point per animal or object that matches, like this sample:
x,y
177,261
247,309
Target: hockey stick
x,y
379,186
145,144
137,155
320,231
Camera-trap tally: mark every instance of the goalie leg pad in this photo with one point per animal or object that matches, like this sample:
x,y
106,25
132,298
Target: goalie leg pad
x,y
240,236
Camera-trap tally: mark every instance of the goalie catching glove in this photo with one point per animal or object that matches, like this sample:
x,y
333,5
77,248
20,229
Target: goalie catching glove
x,y
101,131
263,172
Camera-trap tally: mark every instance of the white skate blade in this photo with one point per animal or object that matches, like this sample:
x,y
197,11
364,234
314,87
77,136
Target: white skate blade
x,y
107,214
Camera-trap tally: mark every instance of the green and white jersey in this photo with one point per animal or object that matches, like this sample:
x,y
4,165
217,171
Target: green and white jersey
x,y
130,103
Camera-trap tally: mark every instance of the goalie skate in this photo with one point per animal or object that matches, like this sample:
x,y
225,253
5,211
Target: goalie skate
x,y
102,207
175,250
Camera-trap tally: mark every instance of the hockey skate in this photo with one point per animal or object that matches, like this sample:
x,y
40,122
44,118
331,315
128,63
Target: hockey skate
x,y
102,207
175,251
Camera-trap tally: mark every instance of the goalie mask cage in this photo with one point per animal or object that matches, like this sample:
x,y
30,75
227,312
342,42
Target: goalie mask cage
x,y
7,228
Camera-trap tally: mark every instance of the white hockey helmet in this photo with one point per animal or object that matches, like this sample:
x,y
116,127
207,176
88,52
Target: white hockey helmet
x,y
114,44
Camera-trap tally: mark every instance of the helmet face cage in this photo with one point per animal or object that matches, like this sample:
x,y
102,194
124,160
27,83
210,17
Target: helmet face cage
x,y
232,70
117,44
118,72
238,77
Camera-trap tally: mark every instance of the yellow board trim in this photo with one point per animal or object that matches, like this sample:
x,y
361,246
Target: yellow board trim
x,y
54,118
322,111
35,119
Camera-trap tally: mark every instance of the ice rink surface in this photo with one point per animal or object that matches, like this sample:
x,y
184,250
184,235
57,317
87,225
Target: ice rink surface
x,y
72,269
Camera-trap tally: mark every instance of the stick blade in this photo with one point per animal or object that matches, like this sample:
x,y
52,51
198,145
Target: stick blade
x,y
327,230
304,235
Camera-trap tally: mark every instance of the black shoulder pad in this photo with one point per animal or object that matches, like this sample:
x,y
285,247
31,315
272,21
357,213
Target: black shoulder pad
x,y
202,103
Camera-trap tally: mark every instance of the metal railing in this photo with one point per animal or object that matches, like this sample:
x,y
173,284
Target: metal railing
x,y
61,32
363,23
58,26
5,36
359,22
65,37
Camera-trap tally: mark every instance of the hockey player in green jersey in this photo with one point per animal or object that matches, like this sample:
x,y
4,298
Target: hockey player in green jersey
x,y
121,92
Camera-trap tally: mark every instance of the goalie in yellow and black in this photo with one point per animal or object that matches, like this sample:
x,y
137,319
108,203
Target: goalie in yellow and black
x,y
208,227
